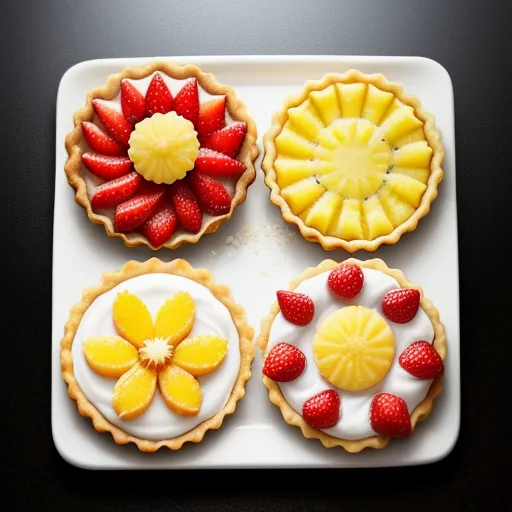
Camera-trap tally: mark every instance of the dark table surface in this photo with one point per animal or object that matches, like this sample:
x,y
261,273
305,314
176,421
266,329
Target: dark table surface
x,y
41,39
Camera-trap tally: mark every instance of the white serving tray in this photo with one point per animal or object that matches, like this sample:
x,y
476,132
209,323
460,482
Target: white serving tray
x,y
269,254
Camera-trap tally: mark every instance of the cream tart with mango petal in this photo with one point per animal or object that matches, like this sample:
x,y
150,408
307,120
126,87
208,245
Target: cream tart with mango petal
x,y
353,161
157,354
161,154
353,354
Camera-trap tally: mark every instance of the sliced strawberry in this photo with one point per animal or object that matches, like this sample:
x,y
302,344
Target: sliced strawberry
x,y
161,226
134,212
421,360
297,308
186,103
346,281
100,142
188,211
228,140
389,416
114,192
322,410
158,97
284,363
113,121
211,195
133,104
217,165
107,167
400,306
212,116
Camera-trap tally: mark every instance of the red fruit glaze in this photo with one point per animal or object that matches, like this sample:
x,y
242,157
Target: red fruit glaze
x,y
112,193
346,281
212,196
421,360
186,103
228,140
107,167
186,207
114,122
322,410
100,142
158,97
133,104
284,363
400,306
297,308
389,416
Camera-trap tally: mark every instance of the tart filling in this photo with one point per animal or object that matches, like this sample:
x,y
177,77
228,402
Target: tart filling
x,y
353,161
357,351
161,154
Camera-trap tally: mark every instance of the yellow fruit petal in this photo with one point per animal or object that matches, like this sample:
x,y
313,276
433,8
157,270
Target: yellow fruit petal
x,y
306,118
415,154
133,392
289,170
110,356
351,98
175,318
321,214
326,101
200,355
290,143
132,319
180,391
376,104
400,123
302,194
348,224
409,189
376,218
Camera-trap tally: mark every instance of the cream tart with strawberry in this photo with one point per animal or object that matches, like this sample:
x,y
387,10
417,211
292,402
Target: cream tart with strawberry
x,y
157,354
161,154
353,161
353,354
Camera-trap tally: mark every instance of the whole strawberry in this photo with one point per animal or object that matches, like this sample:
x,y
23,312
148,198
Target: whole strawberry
x,y
284,363
322,410
421,360
297,308
400,306
389,416
346,281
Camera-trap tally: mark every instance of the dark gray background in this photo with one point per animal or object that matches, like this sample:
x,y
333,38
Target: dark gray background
x,y
39,40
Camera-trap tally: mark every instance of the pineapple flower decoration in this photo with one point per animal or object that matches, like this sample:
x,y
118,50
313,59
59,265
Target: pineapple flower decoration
x,y
146,354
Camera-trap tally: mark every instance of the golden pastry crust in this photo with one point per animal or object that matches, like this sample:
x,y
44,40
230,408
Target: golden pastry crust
x,y
131,269
422,410
75,145
432,136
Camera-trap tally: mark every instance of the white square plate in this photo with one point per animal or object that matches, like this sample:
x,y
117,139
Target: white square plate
x,y
266,254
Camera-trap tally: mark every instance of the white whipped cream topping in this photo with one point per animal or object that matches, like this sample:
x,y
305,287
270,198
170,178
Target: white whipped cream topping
x,y
212,317
354,420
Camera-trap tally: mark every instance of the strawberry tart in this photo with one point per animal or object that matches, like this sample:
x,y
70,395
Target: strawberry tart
x,y
353,354
157,354
161,154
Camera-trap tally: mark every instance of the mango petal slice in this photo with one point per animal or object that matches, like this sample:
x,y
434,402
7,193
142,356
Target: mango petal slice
x,y
109,356
132,319
180,390
200,355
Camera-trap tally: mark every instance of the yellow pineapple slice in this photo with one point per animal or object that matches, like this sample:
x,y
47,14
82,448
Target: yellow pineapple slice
x,y
132,319
348,223
401,122
163,147
409,189
395,105
320,215
376,104
180,390
351,98
289,170
306,118
376,218
175,318
414,136
354,348
416,154
397,210
422,175
200,355
290,143
109,356
326,101
327,140
302,194
133,392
